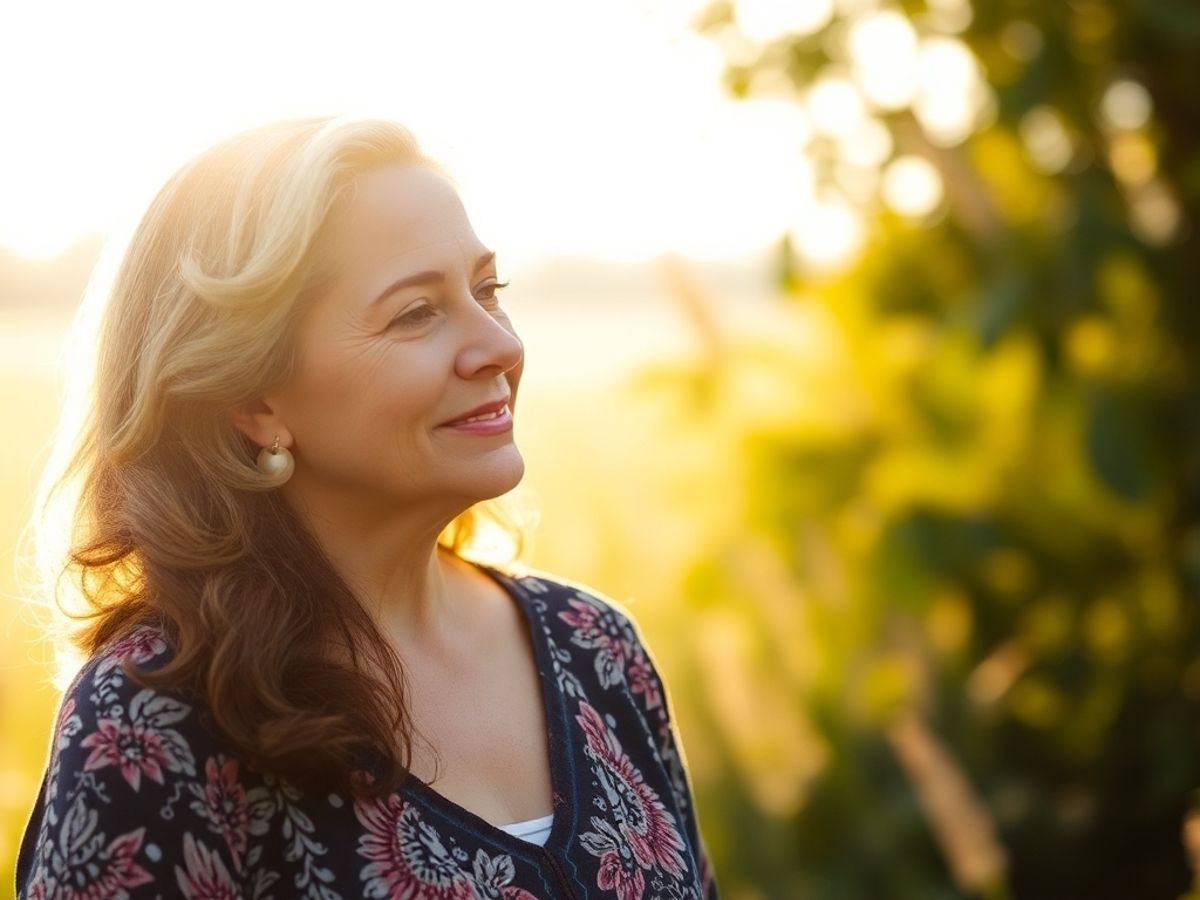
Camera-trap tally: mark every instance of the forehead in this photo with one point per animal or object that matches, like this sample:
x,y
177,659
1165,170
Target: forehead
x,y
400,214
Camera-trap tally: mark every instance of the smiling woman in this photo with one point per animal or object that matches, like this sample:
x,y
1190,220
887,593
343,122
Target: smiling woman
x,y
302,406
374,408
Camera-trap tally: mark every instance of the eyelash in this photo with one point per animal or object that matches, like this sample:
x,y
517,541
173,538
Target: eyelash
x,y
410,320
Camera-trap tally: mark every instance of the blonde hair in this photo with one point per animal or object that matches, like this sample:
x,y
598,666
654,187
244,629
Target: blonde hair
x,y
168,521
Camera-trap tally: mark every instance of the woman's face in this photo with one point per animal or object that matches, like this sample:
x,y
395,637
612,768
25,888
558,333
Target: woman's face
x,y
408,337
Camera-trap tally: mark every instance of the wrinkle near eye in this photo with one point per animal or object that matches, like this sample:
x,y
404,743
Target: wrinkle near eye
x,y
350,341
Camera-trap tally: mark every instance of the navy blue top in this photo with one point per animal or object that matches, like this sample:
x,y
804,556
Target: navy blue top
x,y
141,800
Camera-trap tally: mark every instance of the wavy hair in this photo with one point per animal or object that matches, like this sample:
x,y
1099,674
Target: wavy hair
x,y
168,521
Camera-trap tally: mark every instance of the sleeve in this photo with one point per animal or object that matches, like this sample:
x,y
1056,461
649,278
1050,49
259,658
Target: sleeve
x,y
647,684
124,808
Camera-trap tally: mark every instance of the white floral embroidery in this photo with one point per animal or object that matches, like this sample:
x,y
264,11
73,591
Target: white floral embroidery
x,y
277,798
83,862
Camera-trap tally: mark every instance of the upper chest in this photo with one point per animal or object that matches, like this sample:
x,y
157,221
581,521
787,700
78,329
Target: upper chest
x,y
480,730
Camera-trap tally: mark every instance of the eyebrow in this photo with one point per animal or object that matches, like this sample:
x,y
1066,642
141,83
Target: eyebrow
x,y
429,276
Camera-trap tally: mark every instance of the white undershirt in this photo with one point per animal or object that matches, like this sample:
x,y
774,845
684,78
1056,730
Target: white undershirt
x,y
533,830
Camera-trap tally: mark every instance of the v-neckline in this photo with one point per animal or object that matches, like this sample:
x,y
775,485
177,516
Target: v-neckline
x,y
562,781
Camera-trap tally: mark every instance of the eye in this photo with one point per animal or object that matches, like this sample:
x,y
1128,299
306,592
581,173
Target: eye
x,y
413,317
493,288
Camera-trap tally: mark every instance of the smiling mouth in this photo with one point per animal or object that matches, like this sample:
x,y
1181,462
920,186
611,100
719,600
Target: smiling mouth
x,y
482,417
500,413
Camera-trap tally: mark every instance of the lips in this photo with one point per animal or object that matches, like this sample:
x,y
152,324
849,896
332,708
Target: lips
x,y
483,410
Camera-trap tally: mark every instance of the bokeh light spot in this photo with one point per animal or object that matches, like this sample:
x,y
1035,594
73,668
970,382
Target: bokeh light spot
x,y
769,20
835,105
1046,140
1126,105
951,93
883,50
828,233
912,186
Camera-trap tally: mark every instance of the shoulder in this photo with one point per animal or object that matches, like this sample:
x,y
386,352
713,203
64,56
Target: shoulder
x,y
127,788
562,595
590,630
107,688
108,720
588,617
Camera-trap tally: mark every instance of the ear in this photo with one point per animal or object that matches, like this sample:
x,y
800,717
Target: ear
x,y
260,423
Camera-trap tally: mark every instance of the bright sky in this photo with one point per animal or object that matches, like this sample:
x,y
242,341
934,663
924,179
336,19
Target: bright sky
x,y
596,128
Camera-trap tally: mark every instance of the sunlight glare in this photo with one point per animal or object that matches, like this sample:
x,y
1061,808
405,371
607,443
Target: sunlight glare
x,y
860,184
770,20
555,150
952,93
828,234
835,105
869,144
851,8
912,186
883,50
40,236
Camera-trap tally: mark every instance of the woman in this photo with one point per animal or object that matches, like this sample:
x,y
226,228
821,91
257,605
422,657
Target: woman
x,y
296,684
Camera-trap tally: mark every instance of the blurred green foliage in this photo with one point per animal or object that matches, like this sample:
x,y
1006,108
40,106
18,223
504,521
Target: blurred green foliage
x,y
947,606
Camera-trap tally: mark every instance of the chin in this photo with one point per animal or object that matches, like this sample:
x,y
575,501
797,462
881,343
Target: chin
x,y
494,478
514,477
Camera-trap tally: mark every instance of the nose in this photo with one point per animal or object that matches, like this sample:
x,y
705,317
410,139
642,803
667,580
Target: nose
x,y
490,346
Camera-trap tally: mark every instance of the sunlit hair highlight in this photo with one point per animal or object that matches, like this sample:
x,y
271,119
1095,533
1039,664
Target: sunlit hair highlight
x,y
151,509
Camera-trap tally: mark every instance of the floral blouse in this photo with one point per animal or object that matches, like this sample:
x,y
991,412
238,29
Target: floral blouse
x,y
140,800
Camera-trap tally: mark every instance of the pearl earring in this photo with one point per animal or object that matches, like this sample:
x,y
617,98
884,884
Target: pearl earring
x,y
276,462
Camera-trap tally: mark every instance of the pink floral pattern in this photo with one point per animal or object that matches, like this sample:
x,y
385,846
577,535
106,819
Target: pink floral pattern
x,y
136,749
84,864
141,745
204,876
619,657
407,857
642,822
222,801
598,628
140,645
141,800
642,681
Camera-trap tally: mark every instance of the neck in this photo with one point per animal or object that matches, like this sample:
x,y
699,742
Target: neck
x,y
394,564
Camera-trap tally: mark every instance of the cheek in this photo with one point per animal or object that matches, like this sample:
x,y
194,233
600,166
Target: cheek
x,y
382,394
326,393
319,402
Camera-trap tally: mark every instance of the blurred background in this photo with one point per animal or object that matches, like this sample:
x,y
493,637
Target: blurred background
x,y
862,366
